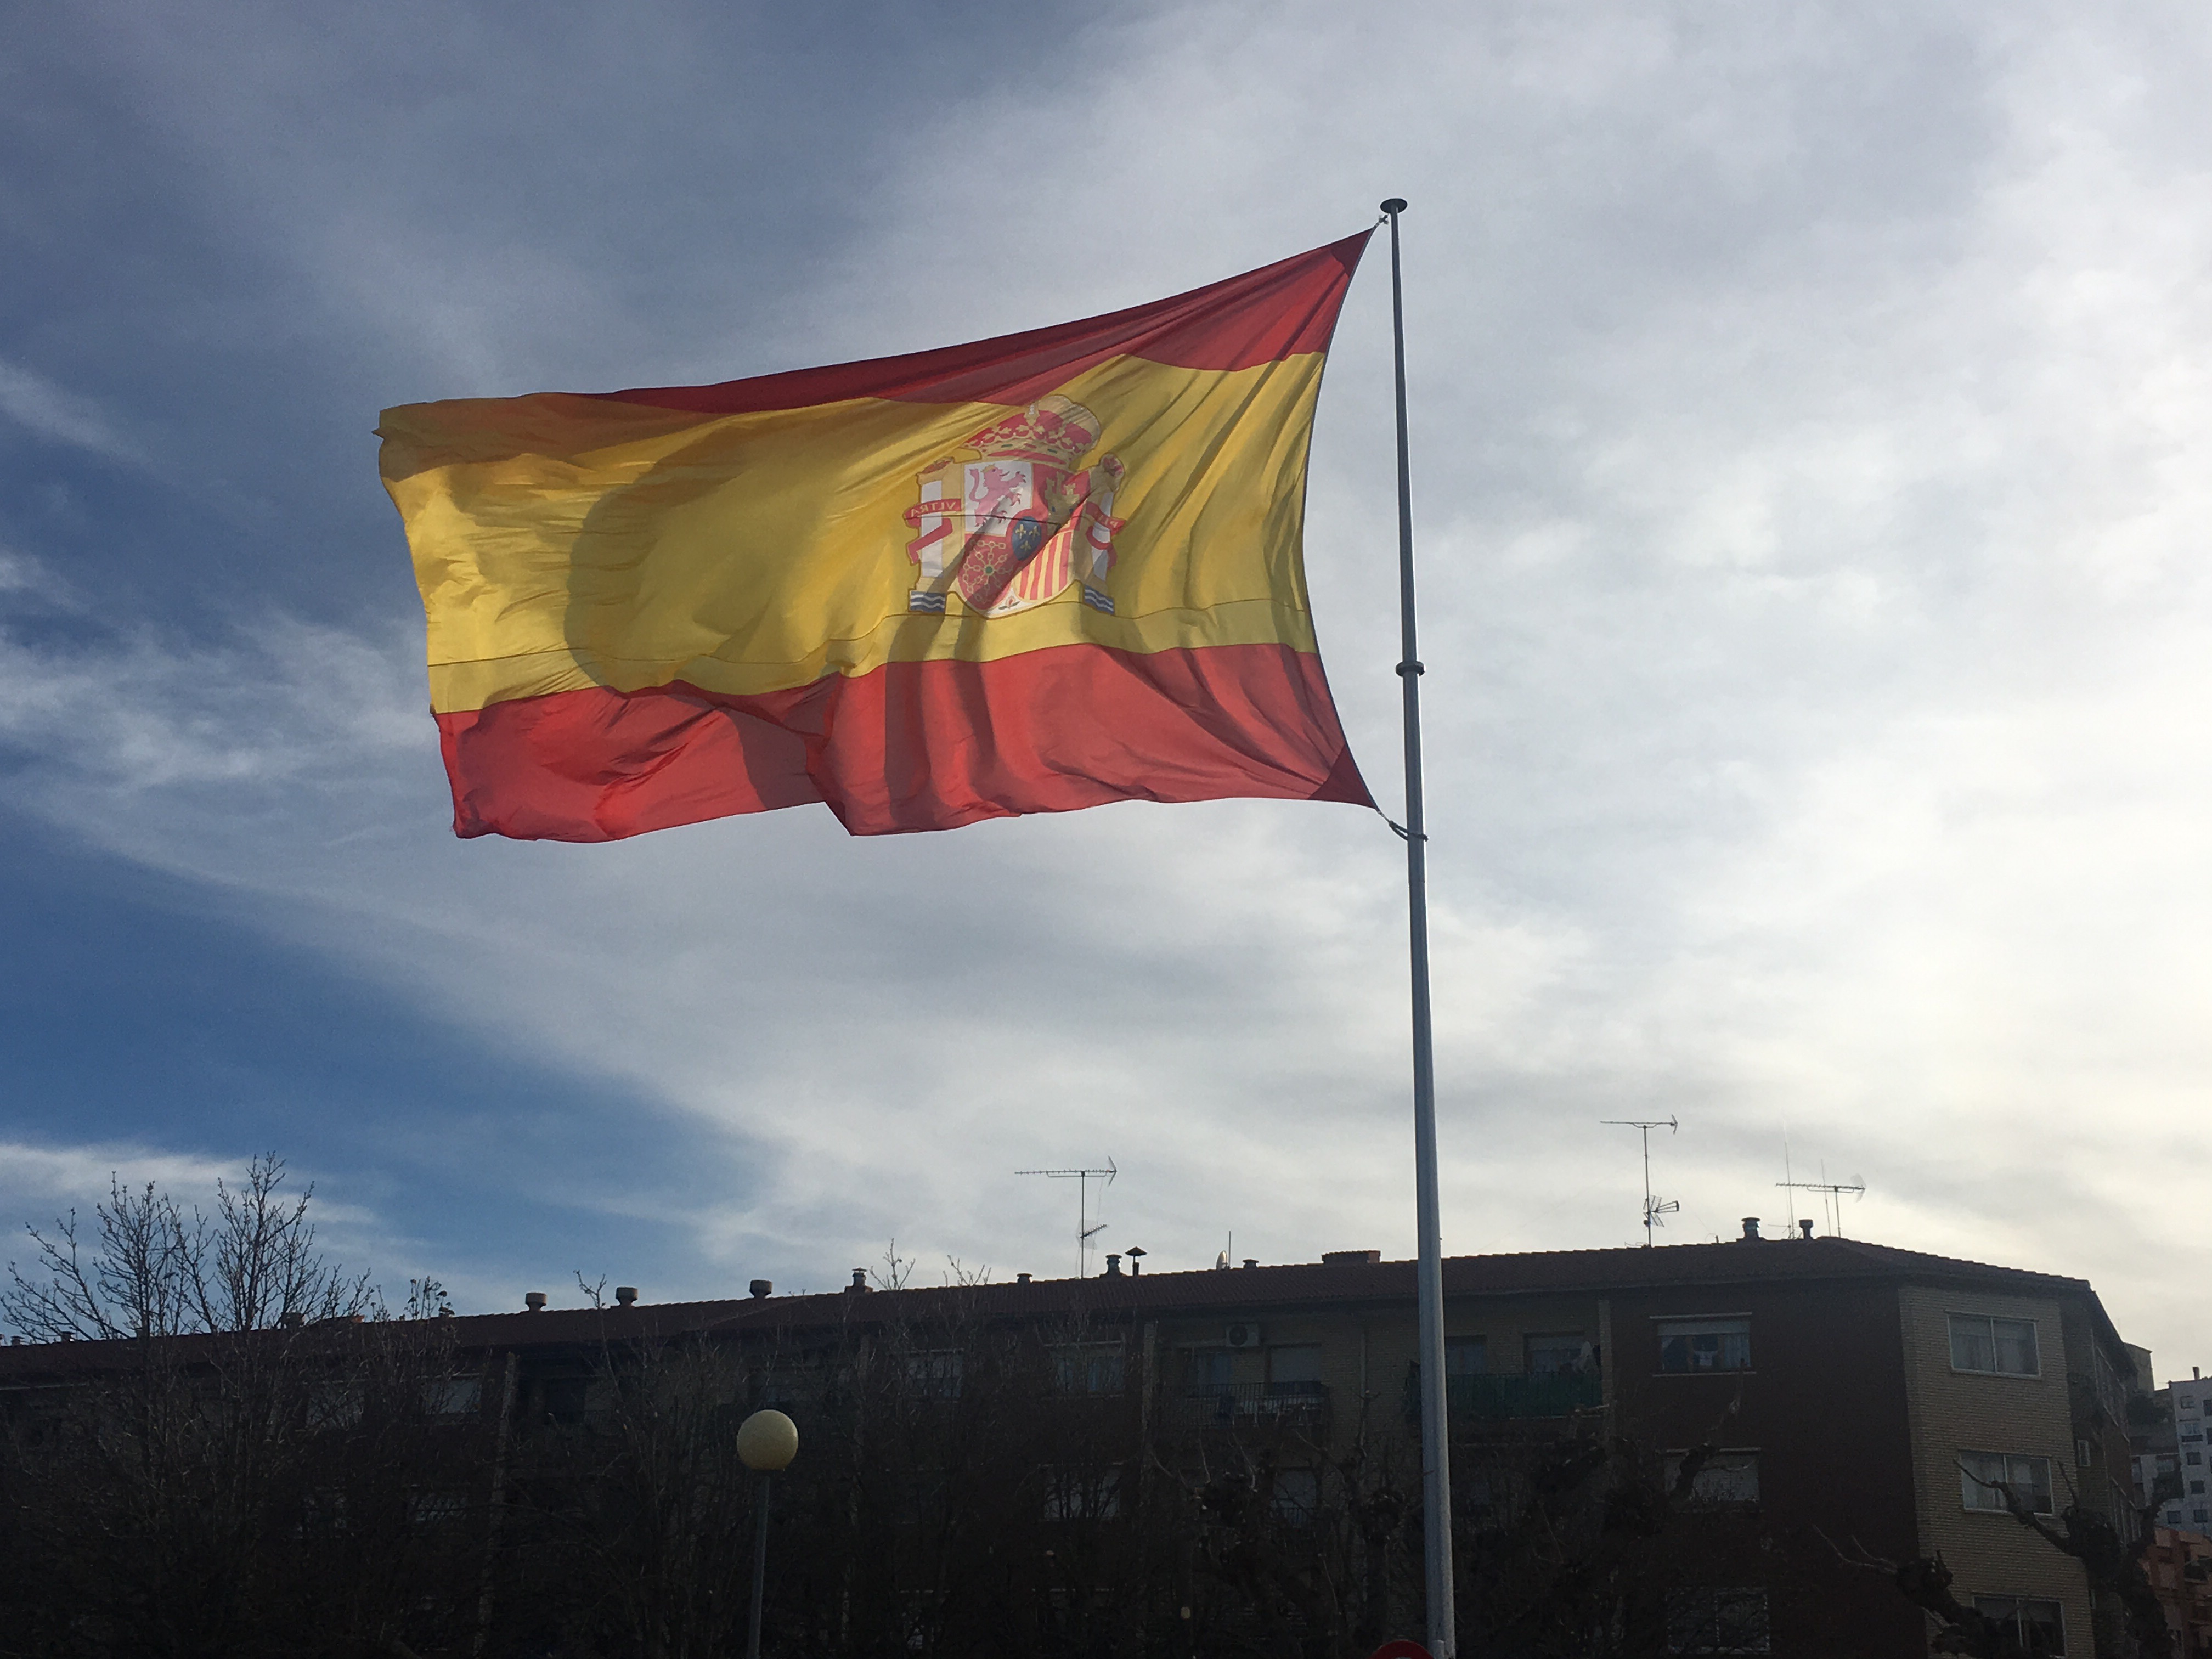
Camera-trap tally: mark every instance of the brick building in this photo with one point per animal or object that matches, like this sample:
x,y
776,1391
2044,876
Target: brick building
x,y
2181,1568
1865,1401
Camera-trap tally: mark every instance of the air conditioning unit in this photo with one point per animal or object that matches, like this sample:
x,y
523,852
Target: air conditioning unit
x,y
1242,1336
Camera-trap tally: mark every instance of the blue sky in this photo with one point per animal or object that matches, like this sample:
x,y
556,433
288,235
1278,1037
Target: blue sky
x,y
1811,462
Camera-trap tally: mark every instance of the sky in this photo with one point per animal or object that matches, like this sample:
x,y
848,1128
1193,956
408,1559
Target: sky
x,y
1812,450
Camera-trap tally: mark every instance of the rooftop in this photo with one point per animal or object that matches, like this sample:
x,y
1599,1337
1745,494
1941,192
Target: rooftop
x,y
1243,1289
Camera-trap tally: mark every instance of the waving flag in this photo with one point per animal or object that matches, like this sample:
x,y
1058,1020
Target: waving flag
x,y
1030,574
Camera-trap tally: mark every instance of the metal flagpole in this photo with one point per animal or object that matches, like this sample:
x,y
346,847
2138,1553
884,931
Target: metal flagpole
x,y
1436,1457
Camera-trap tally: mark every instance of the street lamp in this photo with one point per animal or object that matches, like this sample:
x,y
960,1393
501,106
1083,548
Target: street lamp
x,y
767,1441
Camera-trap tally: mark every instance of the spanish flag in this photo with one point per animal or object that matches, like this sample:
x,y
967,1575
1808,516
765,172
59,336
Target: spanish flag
x,y
1032,574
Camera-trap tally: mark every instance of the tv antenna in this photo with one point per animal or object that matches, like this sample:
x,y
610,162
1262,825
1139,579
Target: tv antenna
x,y
1831,1198
1653,1208
1084,1232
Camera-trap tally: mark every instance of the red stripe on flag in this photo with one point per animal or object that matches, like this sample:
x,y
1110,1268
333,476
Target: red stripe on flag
x,y
928,745
1282,310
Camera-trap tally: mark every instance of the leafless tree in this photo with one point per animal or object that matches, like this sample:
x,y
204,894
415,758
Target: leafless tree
x,y
153,1269
255,1458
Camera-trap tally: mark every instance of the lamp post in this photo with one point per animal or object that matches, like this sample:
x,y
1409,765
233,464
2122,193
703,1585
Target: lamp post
x,y
767,1441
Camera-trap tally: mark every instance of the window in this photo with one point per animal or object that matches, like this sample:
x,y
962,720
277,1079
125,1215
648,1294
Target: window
x,y
1727,1478
1731,1620
1980,1342
334,1406
1082,1494
1466,1356
2192,1457
1981,1473
1704,1344
2196,1486
1296,1495
566,1398
1294,1370
2036,1625
1088,1367
1212,1370
435,1509
452,1396
1563,1354
935,1376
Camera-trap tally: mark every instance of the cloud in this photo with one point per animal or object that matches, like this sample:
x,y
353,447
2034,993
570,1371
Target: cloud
x,y
62,416
77,1176
1810,455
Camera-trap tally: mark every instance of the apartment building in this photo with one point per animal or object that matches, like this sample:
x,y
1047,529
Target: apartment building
x,y
2180,1564
1853,1404
2191,1406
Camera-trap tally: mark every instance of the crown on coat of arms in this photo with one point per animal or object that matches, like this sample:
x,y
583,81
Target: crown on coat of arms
x,y
1055,429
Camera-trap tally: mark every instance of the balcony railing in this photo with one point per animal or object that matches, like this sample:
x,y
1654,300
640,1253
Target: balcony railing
x,y
1300,1406
1496,1399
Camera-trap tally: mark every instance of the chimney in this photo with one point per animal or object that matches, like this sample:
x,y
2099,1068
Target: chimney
x,y
1021,1278
1805,1226
625,1296
761,1287
1136,1259
860,1281
1348,1258
1113,1266
535,1301
1751,1228
1251,1260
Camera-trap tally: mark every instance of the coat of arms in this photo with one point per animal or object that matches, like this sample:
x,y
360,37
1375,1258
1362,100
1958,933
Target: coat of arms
x,y
1017,524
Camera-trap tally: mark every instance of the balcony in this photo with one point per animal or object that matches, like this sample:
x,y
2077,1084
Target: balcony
x,y
1303,1407
1486,1399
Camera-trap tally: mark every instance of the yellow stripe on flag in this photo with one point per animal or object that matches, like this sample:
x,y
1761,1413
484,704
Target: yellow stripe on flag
x,y
564,541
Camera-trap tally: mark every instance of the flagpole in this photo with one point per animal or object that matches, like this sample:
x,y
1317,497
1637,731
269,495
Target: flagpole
x,y
1436,1446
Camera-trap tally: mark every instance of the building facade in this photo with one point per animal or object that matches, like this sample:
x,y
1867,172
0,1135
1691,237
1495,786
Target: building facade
x,y
2190,1405
1812,1413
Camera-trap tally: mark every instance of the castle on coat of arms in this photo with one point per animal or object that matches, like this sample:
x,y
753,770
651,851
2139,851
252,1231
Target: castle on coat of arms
x,y
1016,526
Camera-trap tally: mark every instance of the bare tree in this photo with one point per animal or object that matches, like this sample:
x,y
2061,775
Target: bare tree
x,y
255,1458
152,1269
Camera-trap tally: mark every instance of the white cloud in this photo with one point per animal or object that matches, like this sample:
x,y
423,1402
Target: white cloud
x,y
1811,455
54,412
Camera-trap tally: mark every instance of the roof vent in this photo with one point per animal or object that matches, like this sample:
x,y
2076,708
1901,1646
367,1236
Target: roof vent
x,y
625,1296
1021,1278
1137,1253
1751,1228
1348,1258
761,1287
1113,1266
535,1301
860,1281
1251,1260
1805,1226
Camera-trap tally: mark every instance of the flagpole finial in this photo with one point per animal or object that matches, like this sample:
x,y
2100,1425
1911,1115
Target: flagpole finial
x,y
1395,205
